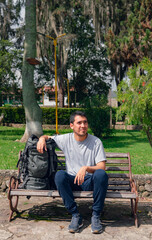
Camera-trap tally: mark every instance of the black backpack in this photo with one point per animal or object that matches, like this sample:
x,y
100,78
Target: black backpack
x,y
37,170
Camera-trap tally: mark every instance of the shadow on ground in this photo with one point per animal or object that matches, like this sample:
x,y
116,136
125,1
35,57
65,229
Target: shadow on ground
x,y
115,214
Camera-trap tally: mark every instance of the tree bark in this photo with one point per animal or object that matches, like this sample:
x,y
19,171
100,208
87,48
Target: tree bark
x,y
33,113
149,136
61,97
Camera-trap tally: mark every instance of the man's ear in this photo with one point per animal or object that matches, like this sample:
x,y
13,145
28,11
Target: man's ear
x,y
71,125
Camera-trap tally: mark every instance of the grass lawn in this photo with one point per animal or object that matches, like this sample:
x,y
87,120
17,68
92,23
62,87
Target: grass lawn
x,y
134,142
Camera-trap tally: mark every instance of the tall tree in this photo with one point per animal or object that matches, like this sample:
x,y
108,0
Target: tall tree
x,y
10,61
32,110
9,17
110,14
50,20
134,39
72,17
86,62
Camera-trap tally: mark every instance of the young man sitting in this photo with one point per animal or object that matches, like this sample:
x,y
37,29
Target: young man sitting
x,y
85,170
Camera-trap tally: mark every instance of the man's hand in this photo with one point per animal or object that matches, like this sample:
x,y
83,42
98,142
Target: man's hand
x,y
79,179
41,145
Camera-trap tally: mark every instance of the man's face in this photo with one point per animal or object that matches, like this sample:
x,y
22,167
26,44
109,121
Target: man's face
x,y
80,125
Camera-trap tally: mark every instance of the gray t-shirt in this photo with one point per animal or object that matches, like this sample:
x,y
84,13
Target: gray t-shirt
x,y
78,154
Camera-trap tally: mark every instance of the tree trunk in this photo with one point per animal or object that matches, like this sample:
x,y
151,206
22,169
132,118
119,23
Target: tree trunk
x,y
61,97
61,91
149,136
33,113
0,98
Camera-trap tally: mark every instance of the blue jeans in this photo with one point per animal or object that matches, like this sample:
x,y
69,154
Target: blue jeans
x,y
97,182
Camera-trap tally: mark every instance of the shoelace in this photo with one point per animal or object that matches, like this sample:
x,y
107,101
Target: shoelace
x,y
75,220
96,220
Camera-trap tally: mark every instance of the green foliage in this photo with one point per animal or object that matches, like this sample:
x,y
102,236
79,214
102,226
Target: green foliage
x,y
17,115
10,43
98,114
10,15
63,115
135,96
99,120
13,114
134,40
88,63
98,117
10,63
78,52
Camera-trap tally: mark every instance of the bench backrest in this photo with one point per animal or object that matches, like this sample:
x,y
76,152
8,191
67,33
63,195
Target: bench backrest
x,y
118,168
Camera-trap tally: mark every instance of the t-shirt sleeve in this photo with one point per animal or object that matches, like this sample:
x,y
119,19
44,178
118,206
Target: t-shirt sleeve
x,y
60,141
100,153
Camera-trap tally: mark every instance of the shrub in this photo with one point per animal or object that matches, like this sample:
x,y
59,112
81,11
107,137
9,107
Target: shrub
x,y
99,121
98,114
99,118
13,114
17,115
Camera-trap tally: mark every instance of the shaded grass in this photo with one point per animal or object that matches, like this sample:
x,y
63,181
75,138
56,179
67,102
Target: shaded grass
x,y
134,142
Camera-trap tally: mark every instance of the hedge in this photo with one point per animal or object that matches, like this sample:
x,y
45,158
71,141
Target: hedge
x,y
17,115
13,114
63,115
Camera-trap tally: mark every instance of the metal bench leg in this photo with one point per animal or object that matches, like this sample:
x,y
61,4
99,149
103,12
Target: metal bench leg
x,y
135,213
13,200
134,203
132,207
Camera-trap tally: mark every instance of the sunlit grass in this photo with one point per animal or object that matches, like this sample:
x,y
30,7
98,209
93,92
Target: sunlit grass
x,y
134,142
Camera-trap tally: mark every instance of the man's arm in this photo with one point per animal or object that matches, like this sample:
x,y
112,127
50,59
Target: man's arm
x,y
41,145
90,169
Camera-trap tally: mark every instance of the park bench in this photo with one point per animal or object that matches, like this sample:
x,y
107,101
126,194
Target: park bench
x,y
121,184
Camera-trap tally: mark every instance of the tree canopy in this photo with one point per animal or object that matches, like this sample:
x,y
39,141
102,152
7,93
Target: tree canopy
x,y
134,40
77,51
135,96
10,48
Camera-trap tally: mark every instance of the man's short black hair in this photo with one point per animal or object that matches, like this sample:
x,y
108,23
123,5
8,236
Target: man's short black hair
x,y
77,113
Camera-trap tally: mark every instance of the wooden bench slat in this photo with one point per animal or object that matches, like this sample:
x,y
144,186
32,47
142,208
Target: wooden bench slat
x,y
61,160
116,155
125,195
119,188
110,175
26,192
108,155
36,193
108,168
114,182
61,168
109,161
117,161
117,168
78,194
118,175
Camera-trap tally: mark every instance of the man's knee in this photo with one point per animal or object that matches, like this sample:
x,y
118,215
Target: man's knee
x,y
100,176
60,177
